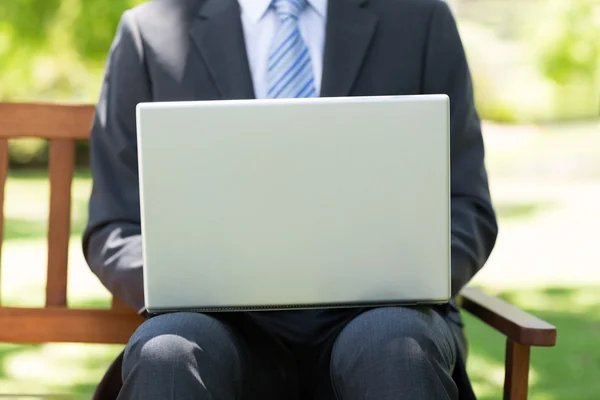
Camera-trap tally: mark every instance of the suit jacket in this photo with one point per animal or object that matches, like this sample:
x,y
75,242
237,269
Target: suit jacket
x,y
169,50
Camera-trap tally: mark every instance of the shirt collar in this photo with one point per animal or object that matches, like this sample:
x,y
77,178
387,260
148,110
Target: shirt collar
x,y
256,9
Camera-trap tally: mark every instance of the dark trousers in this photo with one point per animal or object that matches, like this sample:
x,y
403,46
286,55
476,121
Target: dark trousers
x,y
379,354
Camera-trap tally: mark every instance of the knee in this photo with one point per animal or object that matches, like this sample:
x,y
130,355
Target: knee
x,y
161,349
394,353
177,340
386,335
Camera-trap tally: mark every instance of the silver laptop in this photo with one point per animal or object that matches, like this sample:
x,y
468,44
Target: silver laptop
x,y
299,203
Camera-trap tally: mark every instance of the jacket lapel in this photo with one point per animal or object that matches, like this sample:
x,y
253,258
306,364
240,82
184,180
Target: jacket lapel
x,y
218,34
349,31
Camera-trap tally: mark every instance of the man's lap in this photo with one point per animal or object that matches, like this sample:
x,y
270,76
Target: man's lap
x,y
381,344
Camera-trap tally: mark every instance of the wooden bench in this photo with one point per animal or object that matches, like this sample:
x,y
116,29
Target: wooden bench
x,y
62,125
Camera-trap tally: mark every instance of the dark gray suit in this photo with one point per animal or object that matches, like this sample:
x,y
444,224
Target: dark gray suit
x,y
194,50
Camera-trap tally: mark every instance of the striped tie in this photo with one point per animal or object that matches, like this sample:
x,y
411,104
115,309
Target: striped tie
x,y
289,71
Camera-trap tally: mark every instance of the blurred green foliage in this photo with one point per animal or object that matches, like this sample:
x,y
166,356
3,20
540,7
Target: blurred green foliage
x,y
55,50
568,43
28,20
569,50
533,60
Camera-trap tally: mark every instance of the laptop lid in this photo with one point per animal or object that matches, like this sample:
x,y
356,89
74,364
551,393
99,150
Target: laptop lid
x,y
295,203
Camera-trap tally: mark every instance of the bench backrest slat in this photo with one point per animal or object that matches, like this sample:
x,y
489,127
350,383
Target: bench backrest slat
x,y
45,121
3,175
61,166
62,125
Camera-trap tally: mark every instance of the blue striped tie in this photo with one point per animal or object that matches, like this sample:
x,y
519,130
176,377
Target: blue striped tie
x,y
289,72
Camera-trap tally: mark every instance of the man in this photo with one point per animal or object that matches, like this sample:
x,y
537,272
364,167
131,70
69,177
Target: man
x,y
226,49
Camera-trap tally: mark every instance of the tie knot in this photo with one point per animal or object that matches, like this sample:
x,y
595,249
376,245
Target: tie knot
x,y
289,8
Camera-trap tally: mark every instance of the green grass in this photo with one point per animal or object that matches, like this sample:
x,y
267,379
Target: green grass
x,y
545,262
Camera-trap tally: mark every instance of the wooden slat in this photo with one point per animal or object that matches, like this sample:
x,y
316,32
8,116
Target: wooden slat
x,y
516,380
47,121
518,325
3,176
61,166
38,325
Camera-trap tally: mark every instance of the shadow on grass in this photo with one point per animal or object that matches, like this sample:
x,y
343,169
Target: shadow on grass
x,y
21,228
104,302
42,174
568,371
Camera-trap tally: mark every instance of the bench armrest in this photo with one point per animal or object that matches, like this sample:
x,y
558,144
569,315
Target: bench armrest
x,y
516,324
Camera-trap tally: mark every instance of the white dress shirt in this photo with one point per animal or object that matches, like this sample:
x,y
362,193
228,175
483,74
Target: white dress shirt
x,y
260,23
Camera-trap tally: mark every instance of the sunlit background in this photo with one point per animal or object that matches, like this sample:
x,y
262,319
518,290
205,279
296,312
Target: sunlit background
x,y
536,66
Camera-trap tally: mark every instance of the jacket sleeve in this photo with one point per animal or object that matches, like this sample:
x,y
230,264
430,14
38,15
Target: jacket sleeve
x,y
112,239
473,222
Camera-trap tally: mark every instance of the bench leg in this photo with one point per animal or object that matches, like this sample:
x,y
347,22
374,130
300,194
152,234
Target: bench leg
x,y
516,380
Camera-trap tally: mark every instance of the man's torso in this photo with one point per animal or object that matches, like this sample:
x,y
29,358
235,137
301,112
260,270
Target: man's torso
x,y
199,50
